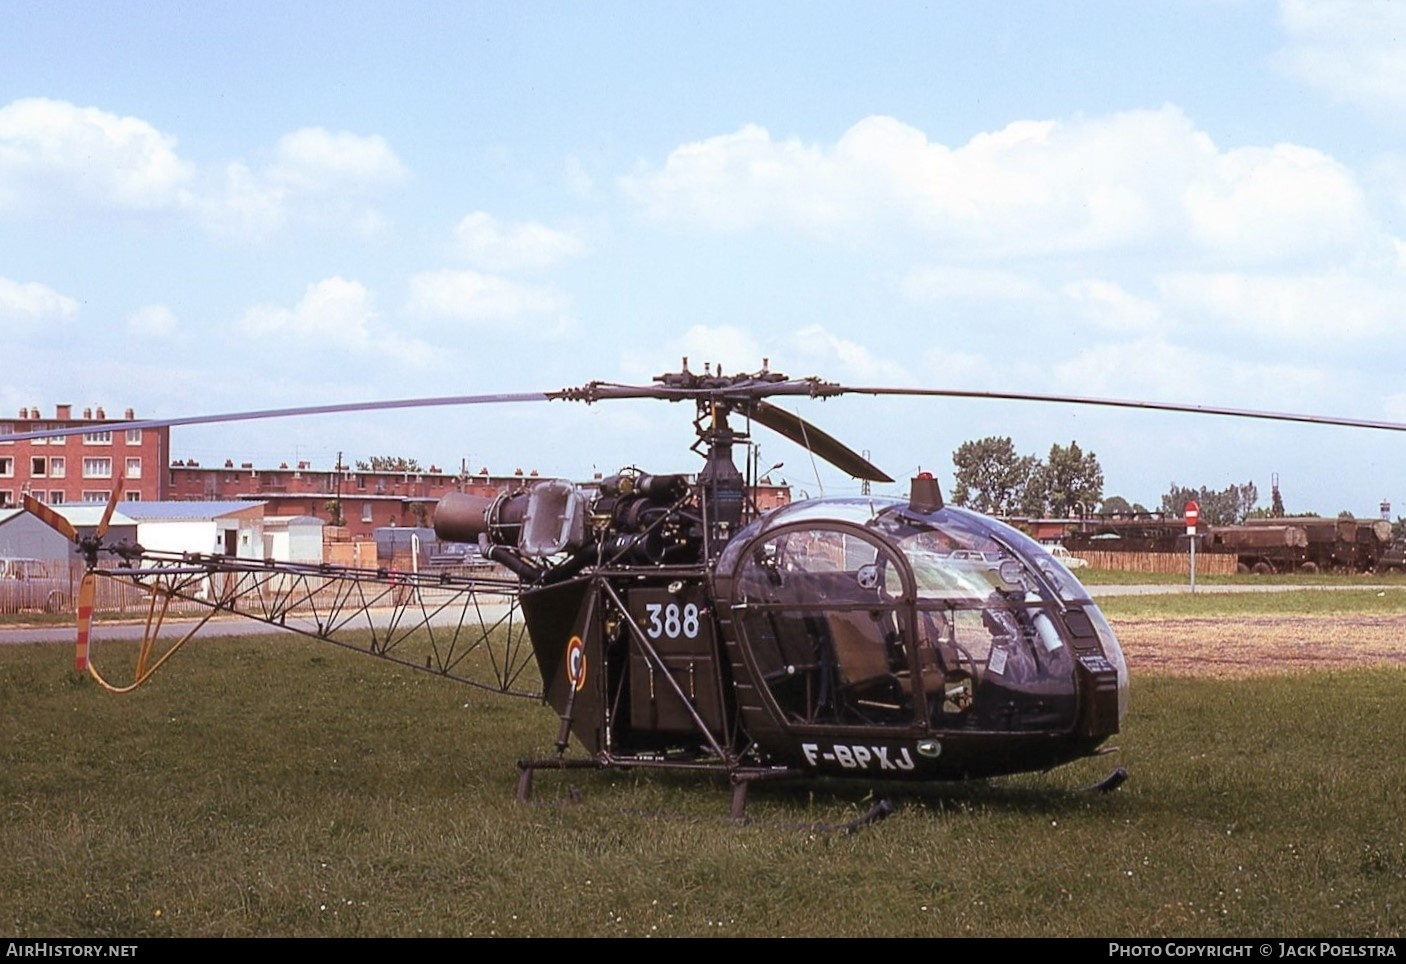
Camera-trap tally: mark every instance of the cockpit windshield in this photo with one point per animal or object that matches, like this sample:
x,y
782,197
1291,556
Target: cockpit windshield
x,y
868,613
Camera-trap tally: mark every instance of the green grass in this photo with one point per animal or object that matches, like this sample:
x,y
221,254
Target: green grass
x,y
1126,577
1300,602
276,786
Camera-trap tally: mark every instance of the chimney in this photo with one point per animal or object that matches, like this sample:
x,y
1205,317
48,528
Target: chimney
x,y
101,414
130,415
88,413
63,412
24,414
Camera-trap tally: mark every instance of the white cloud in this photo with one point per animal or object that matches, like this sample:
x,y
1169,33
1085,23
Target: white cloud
x,y
1308,309
841,359
1111,183
1348,48
336,315
317,160
798,354
32,301
1267,203
950,367
717,347
317,177
1153,368
946,282
155,321
245,207
55,153
486,243
1394,407
473,296
1108,306
56,156
578,178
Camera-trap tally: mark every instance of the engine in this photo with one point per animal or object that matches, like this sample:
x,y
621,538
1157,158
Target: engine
x,y
552,529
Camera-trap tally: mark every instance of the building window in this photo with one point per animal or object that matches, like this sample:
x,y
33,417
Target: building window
x,y
134,468
7,498
96,495
366,512
7,467
7,428
134,436
57,466
38,466
97,438
134,497
57,497
94,468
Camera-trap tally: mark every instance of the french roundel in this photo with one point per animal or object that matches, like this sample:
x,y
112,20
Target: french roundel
x,y
576,662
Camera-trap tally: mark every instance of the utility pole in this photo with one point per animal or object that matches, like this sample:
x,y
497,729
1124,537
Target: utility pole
x,y
340,470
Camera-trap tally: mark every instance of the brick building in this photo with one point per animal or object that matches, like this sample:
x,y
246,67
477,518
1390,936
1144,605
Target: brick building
x,y
367,499
82,467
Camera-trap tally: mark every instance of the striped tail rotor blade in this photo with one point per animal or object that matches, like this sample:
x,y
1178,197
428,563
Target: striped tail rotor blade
x,y
111,506
86,589
50,518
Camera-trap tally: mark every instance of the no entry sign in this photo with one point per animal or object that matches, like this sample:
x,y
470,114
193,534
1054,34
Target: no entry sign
x,y
1193,515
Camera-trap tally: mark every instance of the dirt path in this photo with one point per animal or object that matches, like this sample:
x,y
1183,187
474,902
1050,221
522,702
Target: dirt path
x,y
1249,645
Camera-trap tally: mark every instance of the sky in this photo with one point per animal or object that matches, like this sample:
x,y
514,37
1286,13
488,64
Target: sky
x,y
212,207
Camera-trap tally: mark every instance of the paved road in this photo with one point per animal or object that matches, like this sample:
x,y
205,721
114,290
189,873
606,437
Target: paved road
x,y
238,626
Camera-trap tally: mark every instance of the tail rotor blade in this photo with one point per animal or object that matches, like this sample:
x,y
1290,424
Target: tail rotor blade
x,y
111,507
86,590
50,518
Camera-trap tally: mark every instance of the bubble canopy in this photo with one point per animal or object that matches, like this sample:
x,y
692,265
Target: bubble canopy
x,y
872,612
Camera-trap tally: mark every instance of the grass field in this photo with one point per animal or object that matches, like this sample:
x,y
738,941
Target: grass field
x,y
277,786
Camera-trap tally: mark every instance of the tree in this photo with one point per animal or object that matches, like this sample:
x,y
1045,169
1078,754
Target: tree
x,y
334,512
388,463
1070,480
1117,505
991,477
1226,507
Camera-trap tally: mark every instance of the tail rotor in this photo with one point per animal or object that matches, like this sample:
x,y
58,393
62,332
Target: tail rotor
x,y
88,546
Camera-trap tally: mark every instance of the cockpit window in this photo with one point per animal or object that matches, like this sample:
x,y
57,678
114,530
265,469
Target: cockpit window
x,y
891,618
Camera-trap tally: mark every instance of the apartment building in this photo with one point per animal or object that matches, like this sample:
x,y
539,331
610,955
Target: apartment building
x,y
82,467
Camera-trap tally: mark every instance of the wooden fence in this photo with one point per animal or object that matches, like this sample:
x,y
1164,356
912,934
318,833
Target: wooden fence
x,y
1175,563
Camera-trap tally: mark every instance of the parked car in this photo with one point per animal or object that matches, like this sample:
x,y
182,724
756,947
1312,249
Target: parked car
x,y
1070,560
32,584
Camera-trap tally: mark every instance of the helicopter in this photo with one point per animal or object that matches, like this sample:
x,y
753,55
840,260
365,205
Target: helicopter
x,y
674,626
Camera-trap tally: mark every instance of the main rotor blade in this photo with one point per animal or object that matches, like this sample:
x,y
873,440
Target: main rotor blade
x,y
1131,403
50,518
132,424
806,435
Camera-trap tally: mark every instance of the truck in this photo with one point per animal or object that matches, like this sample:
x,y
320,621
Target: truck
x,y
1304,544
